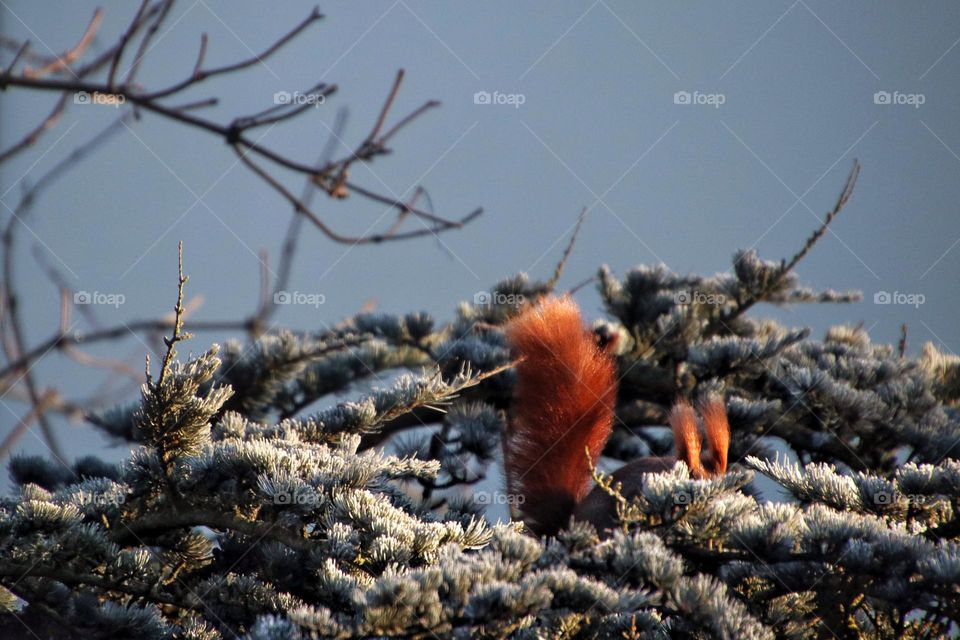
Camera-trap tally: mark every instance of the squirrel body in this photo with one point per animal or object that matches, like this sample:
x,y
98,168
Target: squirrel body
x,y
564,406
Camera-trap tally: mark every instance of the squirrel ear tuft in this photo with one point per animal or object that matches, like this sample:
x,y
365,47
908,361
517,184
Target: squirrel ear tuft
x,y
686,437
715,423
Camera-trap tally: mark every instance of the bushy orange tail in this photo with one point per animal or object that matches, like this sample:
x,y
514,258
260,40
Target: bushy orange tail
x,y
563,404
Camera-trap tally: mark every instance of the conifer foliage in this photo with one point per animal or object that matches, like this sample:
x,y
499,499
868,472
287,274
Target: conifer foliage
x,y
245,511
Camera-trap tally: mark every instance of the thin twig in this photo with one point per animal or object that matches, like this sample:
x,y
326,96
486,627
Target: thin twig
x,y
391,97
785,268
201,55
31,138
61,76
112,333
64,61
552,283
65,307
407,119
36,410
822,229
198,104
12,319
165,7
108,55
581,285
284,112
200,75
22,51
178,334
265,290
289,248
233,133
372,146
62,285
302,209
110,364
124,39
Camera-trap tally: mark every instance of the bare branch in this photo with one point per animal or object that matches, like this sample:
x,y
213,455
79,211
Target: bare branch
x,y
16,347
787,266
552,283
24,425
64,61
66,76
822,229
164,7
178,334
64,341
199,75
201,55
124,39
21,51
302,209
332,178
31,138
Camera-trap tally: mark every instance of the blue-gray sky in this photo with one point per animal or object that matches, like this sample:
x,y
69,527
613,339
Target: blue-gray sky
x,y
598,127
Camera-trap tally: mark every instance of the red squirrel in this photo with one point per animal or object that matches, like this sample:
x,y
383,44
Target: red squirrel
x,y
564,405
